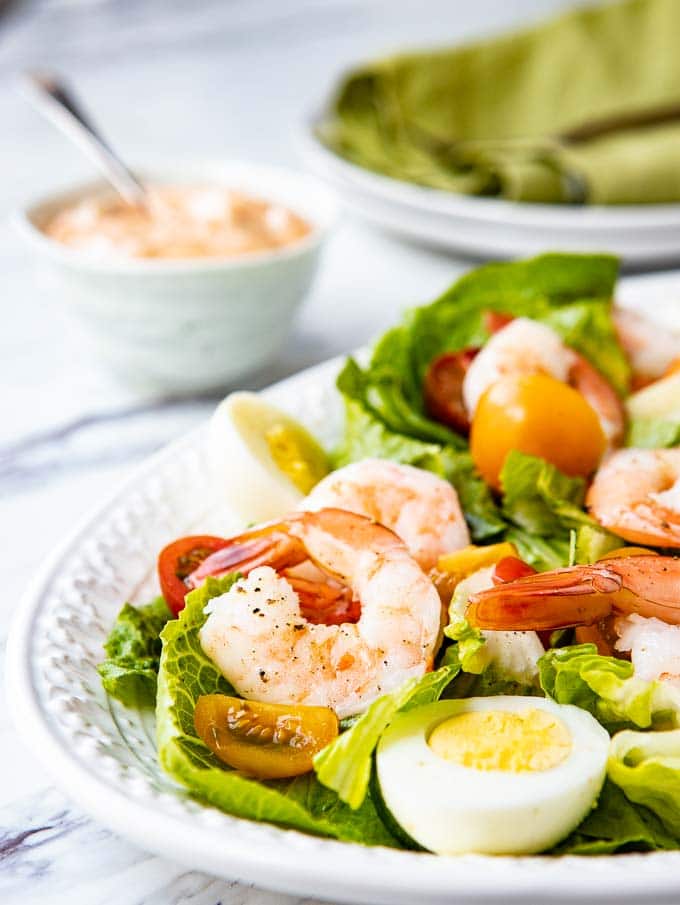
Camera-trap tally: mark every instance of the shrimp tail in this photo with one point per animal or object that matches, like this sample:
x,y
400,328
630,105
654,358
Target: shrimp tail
x,y
648,585
579,595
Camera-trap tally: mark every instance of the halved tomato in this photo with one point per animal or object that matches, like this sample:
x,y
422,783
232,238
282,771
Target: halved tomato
x,y
268,741
510,568
178,560
443,389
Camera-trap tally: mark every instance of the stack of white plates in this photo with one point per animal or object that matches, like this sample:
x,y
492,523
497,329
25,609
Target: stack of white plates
x,y
642,235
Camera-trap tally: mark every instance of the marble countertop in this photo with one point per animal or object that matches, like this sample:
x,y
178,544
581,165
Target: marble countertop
x,y
209,79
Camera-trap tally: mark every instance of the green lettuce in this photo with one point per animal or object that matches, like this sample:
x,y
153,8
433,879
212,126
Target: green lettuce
x,y
302,802
653,433
646,766
592,542
604,686
134,648
540,552
385,409
571,293
544,506
539,498
617,825
346,764
367,436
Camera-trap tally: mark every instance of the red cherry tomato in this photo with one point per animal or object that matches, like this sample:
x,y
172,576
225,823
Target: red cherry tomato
x,y
178,560
443,388
495,320
511,568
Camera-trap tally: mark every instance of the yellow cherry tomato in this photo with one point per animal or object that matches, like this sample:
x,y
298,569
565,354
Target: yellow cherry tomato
x,y
268,741
540,416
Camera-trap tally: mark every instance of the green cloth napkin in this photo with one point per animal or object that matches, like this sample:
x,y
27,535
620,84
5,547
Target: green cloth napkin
x,y
584,108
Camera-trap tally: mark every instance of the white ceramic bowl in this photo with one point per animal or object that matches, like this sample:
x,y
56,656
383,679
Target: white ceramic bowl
x,y
196,324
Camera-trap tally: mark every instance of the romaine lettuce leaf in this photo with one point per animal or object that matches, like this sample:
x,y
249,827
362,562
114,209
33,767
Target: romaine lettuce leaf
x,y
571,293
345,765
653,433
367,436
646,766
592,542
617,825
385,412
540,552
545,506
605,686
134,648
302,803
539,498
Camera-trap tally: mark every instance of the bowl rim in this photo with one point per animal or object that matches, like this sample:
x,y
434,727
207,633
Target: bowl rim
x,y
320,205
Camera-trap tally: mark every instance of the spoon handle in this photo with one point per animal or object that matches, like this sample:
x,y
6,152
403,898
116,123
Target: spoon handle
x,y
53,99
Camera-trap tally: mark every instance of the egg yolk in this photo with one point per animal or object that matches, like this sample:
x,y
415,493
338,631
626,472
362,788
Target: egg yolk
x,y
295,457
529,740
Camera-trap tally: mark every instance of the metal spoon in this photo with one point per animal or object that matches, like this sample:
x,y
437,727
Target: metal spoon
x,y
57,103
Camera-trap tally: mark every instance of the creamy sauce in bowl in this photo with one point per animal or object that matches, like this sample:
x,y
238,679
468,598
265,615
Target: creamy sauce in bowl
x,y
180,222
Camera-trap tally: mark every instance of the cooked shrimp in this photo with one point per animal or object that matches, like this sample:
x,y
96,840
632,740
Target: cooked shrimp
x,y
417,505
263,645
582,595
636,494
654,646
527,347
514,654
650,347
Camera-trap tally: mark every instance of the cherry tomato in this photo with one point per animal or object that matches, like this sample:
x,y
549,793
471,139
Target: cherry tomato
x,y
495,320
267,741
178,560
443,389
538,415
510,568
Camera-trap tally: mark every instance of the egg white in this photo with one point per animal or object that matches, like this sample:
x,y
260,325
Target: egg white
x,y
244,473
451,809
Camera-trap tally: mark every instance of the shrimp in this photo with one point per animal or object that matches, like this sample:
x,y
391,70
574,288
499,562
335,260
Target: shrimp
x,y
420,507
654,647
582,595
263,645
636,494
528,347
651,348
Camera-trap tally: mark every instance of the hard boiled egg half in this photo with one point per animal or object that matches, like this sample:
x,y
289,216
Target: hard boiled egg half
x,y
262,461
496,775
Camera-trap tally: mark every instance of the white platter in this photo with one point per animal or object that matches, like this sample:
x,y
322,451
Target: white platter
x,y
642,235
103,756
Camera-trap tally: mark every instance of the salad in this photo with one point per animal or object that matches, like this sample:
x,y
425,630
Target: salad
x,y
458,630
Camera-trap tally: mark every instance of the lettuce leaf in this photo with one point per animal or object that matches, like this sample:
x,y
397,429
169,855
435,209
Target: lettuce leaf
x,y
604,686
345,765
653,433
617,825
385,411
540,552
572,293
545,507
367,436
302,802
134,648
646,766
592,542
539,498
